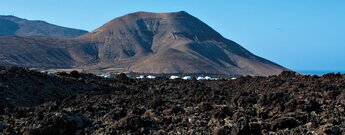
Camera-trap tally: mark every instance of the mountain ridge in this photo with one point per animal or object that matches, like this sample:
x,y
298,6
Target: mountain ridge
x,y
15,26
173,42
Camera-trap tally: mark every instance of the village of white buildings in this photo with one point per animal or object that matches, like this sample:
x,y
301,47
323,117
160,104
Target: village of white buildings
x,y
155,76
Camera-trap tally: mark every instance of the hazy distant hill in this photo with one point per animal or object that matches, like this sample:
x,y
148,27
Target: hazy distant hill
x,y
140,42
14,26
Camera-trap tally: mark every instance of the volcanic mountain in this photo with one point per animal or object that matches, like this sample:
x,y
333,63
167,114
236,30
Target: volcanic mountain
x,y
14,26
141,42
172,43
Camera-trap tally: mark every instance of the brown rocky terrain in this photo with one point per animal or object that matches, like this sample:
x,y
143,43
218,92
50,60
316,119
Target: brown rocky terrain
x,y
139,42
77,103
14,26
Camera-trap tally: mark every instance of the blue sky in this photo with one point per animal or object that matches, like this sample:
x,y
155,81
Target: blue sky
x,y
298,34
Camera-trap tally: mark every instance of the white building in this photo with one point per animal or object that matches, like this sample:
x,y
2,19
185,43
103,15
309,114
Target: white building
x,y
140,77
173,77
200,78
187,78
151,77
105,75
208,78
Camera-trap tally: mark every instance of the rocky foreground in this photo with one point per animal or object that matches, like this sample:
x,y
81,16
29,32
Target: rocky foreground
x,y
35,103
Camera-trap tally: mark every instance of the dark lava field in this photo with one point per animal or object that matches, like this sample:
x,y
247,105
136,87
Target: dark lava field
x,y
33,103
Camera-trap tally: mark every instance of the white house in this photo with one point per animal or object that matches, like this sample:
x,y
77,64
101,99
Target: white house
x,y
200,78
108,75
150,77
208,78
140,77
187,78
173,77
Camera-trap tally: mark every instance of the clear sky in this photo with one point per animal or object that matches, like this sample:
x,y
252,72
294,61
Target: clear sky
x,y
298,34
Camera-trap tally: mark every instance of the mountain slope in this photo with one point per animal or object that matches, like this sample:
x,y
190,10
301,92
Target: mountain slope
x,y
172,43
14,26
44,52
138,42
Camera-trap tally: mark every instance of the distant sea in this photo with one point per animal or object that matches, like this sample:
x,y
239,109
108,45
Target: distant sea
x,y
318,72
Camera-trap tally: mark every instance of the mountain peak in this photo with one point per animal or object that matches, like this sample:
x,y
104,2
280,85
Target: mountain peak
x,y
176,23
153,15
150,14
